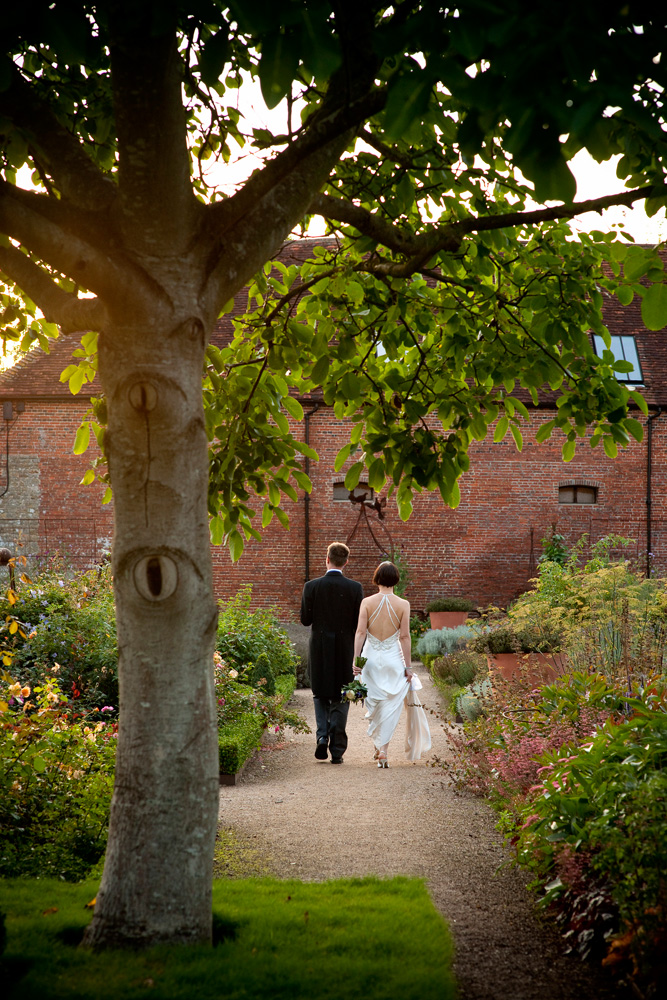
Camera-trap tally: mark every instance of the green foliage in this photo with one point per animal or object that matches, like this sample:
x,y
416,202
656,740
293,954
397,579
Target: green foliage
x,y
608,617
605,803
246,712
56,779
554,548
237,740
471,703
438,642
259,926
68,631
439,256
247,637
260,673
459,667
401,563
450,604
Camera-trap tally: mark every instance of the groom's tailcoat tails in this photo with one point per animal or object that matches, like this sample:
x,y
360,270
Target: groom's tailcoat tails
x,y
330,604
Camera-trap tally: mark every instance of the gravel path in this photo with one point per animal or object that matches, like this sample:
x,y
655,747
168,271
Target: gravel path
x,y
317,821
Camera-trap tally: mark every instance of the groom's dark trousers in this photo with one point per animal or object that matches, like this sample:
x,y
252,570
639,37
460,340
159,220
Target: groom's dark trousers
x,y
330,604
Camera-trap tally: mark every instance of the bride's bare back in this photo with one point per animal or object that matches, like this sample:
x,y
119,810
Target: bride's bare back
x,y
385,621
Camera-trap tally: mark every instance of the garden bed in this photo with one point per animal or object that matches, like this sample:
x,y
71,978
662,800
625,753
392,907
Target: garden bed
x,y
238,739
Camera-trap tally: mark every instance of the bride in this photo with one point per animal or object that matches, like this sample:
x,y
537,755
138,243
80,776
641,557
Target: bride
x,y
383,638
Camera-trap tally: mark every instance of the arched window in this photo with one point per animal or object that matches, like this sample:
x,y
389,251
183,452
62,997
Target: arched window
x,y
577,493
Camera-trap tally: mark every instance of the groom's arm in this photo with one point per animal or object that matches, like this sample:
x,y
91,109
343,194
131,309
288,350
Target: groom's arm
x,y
307,606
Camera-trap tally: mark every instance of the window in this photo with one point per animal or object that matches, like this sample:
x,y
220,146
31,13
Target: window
x,y
341,492
577,494
623,349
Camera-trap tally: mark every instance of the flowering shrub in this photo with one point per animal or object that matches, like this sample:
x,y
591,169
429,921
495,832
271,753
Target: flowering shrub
x,y
67,629
236,699
577,772
56,779
596,816
247,637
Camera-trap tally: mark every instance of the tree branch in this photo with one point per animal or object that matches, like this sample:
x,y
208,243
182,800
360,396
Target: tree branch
x,y
419,248
326,129
67,253
72,314
489,222
74,173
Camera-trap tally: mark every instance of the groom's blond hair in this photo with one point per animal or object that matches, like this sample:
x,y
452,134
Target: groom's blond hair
x,y
338,554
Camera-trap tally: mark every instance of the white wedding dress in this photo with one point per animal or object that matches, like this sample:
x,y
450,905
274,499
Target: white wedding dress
x,y
389,689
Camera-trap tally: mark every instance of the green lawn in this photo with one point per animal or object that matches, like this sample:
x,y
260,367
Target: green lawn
x,y
366,938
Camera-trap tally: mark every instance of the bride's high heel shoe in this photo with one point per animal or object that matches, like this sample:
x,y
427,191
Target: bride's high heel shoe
x,y
382,759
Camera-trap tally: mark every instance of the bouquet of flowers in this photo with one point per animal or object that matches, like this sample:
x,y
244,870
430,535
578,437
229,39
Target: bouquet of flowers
x,y
355,691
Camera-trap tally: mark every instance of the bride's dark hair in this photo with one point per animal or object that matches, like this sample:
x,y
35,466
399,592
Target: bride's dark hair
x,y
386,575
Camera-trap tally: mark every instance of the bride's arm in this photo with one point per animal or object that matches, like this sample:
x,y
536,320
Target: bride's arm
x,y
405,641
360,634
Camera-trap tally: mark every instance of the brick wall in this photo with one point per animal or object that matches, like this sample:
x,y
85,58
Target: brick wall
x,y
45,508
486,549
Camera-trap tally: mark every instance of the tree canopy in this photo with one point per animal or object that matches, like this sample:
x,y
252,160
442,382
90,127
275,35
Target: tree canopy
x,y
442,257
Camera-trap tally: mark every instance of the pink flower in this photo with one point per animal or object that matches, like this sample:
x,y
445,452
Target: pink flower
x,y
529,820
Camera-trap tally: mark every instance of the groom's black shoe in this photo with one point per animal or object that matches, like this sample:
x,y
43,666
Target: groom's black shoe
x,y
336,760
321,752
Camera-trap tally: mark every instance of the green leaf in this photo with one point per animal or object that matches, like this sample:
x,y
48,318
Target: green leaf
x,y
303,480
108,496
235,544
39,764
88,478
217,530
376,475
342,457
654,307
267,515
320,370
82,439
76,380
544,431
501,430
625,295
610,447
408,99
404,507
517,435
283,517
278,65
637,398
293,407
569,449
353,474
214,55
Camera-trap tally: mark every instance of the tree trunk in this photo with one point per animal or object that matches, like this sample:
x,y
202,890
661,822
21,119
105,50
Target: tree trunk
x,y
157,875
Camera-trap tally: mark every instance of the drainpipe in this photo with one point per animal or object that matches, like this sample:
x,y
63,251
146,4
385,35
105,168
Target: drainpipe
x,y
649,470
306,499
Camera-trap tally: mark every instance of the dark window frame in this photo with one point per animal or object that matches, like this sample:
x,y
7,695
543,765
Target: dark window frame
x,y
575,487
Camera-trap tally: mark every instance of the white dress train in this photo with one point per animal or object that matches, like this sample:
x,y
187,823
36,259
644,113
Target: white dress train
x,y
389,690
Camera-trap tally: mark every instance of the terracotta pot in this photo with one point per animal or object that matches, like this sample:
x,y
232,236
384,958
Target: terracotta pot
x,y
447,619
536,668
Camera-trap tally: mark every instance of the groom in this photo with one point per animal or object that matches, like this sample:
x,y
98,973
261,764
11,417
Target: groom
x,y
331,605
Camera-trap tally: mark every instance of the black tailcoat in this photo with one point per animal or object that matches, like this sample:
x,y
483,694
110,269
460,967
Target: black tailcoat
x,y
331,605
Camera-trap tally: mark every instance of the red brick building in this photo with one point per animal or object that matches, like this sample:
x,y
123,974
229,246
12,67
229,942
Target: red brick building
x,y
486,549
